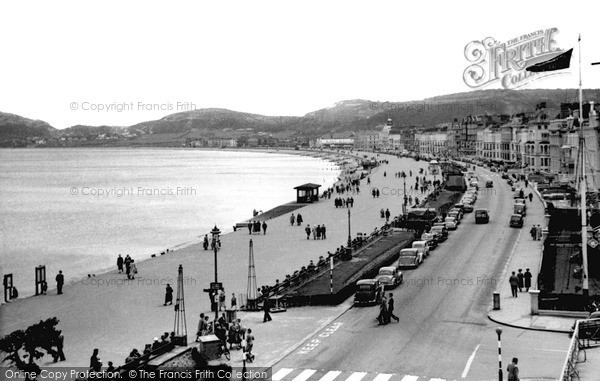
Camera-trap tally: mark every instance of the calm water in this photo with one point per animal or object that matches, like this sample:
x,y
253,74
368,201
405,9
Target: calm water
x,y
76,209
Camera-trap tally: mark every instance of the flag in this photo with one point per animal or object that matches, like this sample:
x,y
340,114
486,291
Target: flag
x,y
561,61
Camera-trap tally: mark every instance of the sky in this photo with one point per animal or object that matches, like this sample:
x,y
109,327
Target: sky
x,y
67,62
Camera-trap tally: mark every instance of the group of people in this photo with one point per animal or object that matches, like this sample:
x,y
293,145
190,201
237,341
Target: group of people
x,y
206,244
385,214
375,192
233,333
157,343
386,310
298,219
318,232
536,232
341,202
520,280
254,227
130,267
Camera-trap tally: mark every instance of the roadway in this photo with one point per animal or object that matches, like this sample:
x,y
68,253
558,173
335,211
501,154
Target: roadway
x,y
443,331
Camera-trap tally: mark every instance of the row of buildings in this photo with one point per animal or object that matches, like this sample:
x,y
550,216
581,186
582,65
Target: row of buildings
x,y
544,140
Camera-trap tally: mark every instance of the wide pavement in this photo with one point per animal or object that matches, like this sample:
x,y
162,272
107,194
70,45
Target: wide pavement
x,y
443,331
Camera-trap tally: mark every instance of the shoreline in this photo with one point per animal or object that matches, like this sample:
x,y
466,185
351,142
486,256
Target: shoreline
x,y
326,156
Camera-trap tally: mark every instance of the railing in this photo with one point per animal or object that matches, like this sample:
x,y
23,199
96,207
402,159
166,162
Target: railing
x,y
568,370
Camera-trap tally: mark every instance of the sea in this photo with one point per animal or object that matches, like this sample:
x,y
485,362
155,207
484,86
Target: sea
x,y
76,209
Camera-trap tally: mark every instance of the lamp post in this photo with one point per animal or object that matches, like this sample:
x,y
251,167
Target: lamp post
x,y
499,332
349,235
403,175
215,239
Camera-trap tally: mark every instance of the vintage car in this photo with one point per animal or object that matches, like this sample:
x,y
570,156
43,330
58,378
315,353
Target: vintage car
x,y
482,216
368,291
516,221
409,258
389,276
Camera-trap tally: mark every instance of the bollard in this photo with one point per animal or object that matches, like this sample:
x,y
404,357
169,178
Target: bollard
x,y
534,301
496,300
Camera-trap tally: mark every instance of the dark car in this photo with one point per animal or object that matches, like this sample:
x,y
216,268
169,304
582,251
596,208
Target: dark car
x,y
482,216
489,184
516,221
368,291
441,231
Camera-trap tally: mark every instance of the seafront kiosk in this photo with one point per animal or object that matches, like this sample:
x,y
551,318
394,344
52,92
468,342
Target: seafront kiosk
x,y
307,193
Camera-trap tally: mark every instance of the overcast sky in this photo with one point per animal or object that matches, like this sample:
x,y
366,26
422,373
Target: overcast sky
x,y
265,57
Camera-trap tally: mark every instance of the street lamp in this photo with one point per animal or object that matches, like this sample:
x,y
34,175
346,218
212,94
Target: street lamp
x,y
499,332
349,235
215,239
403,175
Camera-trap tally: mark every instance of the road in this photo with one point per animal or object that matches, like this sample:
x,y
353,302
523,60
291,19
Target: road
x,y
443,330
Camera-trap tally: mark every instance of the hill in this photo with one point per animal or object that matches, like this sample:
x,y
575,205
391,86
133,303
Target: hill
x,y
17,127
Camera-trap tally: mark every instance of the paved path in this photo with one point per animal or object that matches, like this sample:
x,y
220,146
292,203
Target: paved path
x,y
115,315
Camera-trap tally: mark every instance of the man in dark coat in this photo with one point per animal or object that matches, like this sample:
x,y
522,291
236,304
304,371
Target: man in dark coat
x,y
120,263
60,280
266,309
264,227
299,219
95,363
168,295
530,196
250,225
520,278
514,282
513,370
391,308
383,312
527,277
323,232
60,342
387,215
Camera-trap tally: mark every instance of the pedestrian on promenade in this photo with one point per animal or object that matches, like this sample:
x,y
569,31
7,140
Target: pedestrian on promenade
x,y
266,309
514,281
60,280
264,227
323,232
257,226
168,295
249,345
520,277
233,301
387,215
60,342
292,219
383,312
205,243
530,196
382,213
318,231
391,308
513,370
222,299
377,191
299,219
539,233
44,287
120,263
95,363
533,232
134,269
314,232
250,225
527,277
127,265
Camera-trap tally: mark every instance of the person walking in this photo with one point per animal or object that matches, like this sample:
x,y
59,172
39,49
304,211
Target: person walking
x,y
314,232
120,263
249,345
299,219
520,278
530,196
250,225
222,300
201,327
307,230
527,277
95,363
514,282
292,219
60,342
391,308
134,269
60,280
387,215
266,309
383,313
513,370
233,301
127,265
323,232
168,295
533,232
538,235
264,227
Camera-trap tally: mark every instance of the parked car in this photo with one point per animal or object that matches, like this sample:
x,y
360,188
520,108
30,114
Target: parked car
x,y
458,211
450,223
442,231
520,209
432,240
489,184
409,258
505,176
368,291
468,208
516,221
422,247
482,216
493,169
390,276
518,193
454,214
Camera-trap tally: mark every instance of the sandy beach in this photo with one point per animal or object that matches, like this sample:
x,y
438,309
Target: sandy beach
x,y
115,315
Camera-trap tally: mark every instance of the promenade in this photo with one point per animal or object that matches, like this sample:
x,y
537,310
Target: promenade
x,y
115,315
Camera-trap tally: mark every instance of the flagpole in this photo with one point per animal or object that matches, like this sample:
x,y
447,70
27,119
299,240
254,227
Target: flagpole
x,y
584,228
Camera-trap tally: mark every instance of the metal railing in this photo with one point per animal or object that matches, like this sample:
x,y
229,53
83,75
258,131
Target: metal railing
x,y
568,371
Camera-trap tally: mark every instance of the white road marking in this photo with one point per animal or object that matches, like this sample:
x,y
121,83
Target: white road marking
x,y
552,350
281,373
408,377
469,362
305,375
331,375
356,376
437,379
383,377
